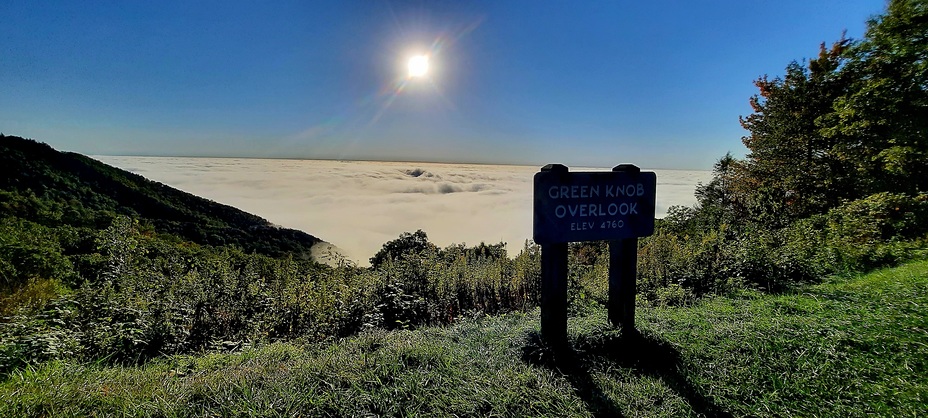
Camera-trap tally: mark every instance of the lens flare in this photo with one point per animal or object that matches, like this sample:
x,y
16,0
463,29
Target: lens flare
x,y
423,72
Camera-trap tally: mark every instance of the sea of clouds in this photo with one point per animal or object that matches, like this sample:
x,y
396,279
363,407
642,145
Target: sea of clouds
x,y
359,205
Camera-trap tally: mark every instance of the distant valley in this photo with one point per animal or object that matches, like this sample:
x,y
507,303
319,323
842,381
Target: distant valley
x,y
359,205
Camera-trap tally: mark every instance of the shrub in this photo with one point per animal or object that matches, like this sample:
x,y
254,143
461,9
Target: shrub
x,y
880,229
33,269
30,251
29,339
408,243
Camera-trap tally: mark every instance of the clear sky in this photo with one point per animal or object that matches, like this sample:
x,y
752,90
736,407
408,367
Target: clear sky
x,y
592,83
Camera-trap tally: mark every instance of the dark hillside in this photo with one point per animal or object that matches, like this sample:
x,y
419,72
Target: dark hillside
x,y
52,188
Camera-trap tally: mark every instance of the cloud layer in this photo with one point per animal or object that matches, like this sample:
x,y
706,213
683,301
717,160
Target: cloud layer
x,y
357,206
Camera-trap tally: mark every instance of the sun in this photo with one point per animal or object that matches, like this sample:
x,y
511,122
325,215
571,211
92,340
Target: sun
x,y
418,66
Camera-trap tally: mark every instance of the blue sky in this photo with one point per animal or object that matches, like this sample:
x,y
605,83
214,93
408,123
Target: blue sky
x,y
659,84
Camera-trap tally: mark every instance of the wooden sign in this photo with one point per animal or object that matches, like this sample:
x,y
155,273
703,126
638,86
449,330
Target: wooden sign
x,y
593,206
617,206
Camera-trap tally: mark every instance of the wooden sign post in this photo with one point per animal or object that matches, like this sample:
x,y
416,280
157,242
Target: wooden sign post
x,y
617,206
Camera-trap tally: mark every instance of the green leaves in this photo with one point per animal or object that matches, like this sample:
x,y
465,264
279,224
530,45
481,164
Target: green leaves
x,y
852,122
884,113
416,243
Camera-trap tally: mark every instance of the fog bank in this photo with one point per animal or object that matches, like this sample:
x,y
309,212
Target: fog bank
x,y
359,205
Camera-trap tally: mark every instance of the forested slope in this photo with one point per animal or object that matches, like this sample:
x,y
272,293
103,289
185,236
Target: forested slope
x,y
52,188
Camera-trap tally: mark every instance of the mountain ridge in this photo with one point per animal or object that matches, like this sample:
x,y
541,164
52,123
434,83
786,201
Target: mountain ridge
x,y
52,187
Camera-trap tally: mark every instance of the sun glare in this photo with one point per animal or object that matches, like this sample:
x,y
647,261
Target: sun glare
x,y
418,66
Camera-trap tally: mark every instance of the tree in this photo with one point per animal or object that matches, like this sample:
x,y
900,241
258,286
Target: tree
x,y
793,170
881,122
852,123
415,243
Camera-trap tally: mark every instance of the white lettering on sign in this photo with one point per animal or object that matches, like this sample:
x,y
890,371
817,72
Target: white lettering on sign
x,y
595,209
627,190
581,226
573,192
586,206
612,224
583,192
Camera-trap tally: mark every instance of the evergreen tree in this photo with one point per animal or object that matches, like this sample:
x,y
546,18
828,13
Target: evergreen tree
x,y
881,122
851,123
793,170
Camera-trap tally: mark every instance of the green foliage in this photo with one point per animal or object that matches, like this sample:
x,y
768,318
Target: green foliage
x,y
428,287
414,244
588,276
881,118
143,296
33,259
111,267
850,124
51,188
672,295
793,170
881,229
845,348
31,296
34,339
834,180
97,264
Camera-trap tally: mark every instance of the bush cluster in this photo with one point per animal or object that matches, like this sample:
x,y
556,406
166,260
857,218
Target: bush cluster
x,y
126,294
683,258
138,295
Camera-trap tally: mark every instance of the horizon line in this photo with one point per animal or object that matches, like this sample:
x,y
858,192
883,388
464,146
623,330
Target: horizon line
x,y
374,160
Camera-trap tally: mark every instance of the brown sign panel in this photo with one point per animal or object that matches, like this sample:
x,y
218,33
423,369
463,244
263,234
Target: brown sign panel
x,y
592,206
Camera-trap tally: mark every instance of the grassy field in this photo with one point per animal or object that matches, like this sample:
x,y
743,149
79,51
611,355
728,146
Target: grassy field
x,y
849,347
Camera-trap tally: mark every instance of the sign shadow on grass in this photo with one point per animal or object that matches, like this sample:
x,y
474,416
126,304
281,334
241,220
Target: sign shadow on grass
x,y
643,354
